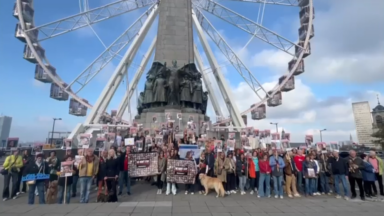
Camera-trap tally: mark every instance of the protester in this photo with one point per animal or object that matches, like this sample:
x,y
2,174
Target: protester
x,y
324,174
340,173
378,165
27,159
220,170
190,188
298,159
65,184
201,169
38,167
290,178
102,172
277,166
368,175
255,185
54,166
356,165
124,178
265,178
88,169
161,178
11,169
112,173
242,172
171,186
80,152
309,173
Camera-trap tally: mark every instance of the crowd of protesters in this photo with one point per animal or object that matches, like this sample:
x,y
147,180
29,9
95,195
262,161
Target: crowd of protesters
x,y
259,172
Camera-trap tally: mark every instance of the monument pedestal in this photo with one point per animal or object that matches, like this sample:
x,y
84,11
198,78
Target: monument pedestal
x,y
187,115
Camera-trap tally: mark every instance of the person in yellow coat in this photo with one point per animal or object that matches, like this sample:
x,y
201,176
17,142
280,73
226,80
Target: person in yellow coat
x,y
11,169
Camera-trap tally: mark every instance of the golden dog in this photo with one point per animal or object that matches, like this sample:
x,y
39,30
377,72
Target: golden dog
x,y
212,183
51,196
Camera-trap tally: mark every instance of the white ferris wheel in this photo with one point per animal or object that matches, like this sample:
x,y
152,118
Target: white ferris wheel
x,y
34,34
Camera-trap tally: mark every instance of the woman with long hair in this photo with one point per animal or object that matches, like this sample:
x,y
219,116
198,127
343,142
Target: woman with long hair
x,y
219,169
242,172
171,185
112,173
161,178
201,169
230,167
290,178
189,188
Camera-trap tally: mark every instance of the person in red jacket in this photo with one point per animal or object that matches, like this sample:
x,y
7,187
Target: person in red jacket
x,y
265,177
251,171
298,169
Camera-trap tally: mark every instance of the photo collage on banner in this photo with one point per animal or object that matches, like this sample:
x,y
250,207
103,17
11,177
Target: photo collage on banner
x,y
181,171
66,169
143,164
12,142
85,141
192,150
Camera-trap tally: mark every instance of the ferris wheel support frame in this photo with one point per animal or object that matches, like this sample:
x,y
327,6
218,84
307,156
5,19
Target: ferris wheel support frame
x,y
110,89
221,82
135,80
211,94
273,2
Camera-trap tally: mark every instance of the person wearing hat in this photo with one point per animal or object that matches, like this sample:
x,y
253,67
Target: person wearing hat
x,y
11,169
38,167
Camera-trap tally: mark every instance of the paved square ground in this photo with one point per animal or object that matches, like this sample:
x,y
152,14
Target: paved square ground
x,y
145,202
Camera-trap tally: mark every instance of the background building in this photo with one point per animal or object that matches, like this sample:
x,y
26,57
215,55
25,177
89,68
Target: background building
x,y
5,129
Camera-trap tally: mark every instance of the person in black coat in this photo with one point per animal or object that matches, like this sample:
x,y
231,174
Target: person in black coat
x,y
210,162
102,171
112,173
67,184
27,159
340,172
39,166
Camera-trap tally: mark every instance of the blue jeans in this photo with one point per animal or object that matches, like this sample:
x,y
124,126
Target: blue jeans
x,y
310,186
299,182
74,185
40,185
85,188
124,179
337,179
324,183
278,185
60,194
242,182
267,179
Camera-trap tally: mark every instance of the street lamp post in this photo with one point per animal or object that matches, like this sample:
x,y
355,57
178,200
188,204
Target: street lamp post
x,y
321,135
53,128
277,128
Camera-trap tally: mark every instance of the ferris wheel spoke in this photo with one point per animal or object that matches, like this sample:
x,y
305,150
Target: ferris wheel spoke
x,y
228,52
248,26
90,17
112,51
274,2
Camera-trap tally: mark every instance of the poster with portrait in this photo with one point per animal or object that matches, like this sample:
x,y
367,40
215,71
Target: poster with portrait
x,y
181,171
170,124
267,133
129,141
245,143
218,145
146,132
321,146
249,131
154,119
275,136
201,143
191,126
101,144
256,132
231,136
12,142
77,160
190,118
111,138
148,141
37,147
231,144
203,127
308,140
85,141
67,144
143,164
159,140
276,145
104,129
139,145
287,136
285,144
192,150
243,133
66,169
168,116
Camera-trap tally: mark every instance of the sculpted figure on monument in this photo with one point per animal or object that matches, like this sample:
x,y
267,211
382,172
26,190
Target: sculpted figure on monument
x,y
148,91
197,95
205,103
174,85
159,87
140,105
186,91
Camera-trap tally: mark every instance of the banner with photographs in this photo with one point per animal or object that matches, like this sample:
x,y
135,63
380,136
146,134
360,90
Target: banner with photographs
x,y
67,144
189,150
308,140
66,169
181,171
143,164
12,142
275,136
84,140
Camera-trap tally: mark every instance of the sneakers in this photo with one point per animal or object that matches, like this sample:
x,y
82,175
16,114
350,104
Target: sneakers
x,y
281,197
242,192
258,196
346,198
15,197
338,196
297,195
192,193
251,192
186,192
233,191
290,196
276,196
158,191
18,193
5,199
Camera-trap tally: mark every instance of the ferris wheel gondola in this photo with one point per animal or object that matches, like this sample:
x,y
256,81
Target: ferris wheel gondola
x,y
30,33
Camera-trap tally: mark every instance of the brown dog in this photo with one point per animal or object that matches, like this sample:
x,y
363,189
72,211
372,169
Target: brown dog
x,y
52,192
212,183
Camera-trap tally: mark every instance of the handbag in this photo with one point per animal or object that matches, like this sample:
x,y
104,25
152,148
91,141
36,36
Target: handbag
x,y
32,182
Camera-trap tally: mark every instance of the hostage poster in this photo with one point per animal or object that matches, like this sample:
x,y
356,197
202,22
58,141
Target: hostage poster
x,y
143,164
181,171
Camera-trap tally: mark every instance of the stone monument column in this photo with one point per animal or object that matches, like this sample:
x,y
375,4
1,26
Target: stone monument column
x,y
175,33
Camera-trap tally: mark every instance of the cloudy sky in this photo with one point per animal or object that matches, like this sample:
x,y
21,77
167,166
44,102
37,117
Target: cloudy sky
x,y
346,66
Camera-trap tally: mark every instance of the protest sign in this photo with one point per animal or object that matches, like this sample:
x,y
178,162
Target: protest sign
x,y
181,171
